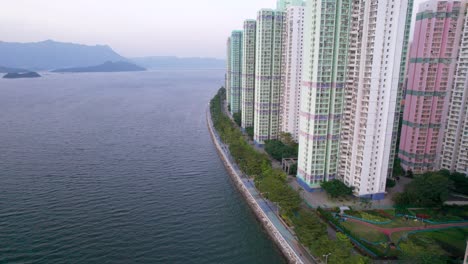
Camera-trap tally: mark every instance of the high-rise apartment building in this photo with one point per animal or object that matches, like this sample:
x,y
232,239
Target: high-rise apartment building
x,y
455,145
433,60
401,88
248,73
268,62
236,71
377,36
292,69
228,71
326,39
282,5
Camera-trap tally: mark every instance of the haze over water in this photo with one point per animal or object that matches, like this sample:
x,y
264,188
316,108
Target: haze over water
x,y
118,168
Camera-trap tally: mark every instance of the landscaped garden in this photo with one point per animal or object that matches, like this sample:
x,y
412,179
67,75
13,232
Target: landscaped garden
x,y
423,235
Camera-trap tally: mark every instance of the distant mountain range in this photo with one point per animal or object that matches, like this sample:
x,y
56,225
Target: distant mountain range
x,y
168,62
50,55
120,66
14,75
11,70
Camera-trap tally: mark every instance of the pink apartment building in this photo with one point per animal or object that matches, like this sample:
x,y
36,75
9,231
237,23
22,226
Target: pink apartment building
x,y
432,64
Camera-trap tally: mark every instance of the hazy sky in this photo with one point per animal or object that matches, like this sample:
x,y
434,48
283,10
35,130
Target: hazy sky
x,y
184,28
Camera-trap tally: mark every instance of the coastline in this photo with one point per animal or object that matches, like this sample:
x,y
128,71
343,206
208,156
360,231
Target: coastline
x,y
285,248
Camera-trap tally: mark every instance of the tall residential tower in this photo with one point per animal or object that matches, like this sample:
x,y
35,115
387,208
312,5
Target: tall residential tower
x,y
248,73
292,70
228,71
326,38
268,62
430,76
236,71
377,37
455,146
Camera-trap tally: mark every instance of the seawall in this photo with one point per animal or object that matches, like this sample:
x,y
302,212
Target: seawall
x,y
273,232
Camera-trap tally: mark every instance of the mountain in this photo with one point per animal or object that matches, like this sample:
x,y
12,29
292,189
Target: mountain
x,y
50,54
11,70
179,63
120,66
15,75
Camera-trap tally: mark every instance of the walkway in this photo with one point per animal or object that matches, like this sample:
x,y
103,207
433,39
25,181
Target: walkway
x,y
389,231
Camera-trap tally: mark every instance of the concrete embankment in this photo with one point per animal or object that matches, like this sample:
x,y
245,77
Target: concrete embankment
x,y
274,233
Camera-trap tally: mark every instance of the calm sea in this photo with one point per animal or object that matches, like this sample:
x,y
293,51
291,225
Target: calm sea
x,y
118,168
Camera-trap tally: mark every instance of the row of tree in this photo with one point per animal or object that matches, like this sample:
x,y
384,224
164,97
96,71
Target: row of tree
x,y
273,184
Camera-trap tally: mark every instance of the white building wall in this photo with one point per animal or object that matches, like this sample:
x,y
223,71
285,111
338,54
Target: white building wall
x,y
292,70
372,90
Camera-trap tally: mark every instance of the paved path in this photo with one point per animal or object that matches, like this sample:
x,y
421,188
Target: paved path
x,y
389,231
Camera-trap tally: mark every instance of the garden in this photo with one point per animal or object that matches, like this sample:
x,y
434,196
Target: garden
x,y
420,235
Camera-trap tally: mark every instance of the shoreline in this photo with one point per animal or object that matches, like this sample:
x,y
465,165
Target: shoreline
x,y
290,255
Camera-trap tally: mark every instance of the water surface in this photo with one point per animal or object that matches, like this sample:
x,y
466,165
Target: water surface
x,y
118,168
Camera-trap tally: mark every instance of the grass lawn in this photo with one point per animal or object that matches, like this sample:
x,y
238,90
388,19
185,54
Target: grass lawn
x,y
365,232
452,240
372,215
401,222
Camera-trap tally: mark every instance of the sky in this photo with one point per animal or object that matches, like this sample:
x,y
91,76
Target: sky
x,y
133,28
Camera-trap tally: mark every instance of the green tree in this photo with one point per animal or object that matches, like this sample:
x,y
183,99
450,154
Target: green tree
x,y
278,150
237,118
397,169
428,190
336,188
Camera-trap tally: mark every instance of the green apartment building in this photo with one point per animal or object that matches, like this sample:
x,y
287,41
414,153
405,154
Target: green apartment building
x,y
248,73
236,71
326,33
268,63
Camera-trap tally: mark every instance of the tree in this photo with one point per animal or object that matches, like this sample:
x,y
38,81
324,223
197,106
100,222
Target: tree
x,y
250,132
390,183
238,118
397,169
428,190
336,188
278,150
287,139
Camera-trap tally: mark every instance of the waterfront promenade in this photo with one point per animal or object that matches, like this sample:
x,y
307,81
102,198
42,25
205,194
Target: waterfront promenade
x,y
265,210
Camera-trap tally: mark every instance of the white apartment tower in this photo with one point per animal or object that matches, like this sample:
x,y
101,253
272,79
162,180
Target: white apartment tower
x,y
455,146
248,73
376,38
292,70
268,62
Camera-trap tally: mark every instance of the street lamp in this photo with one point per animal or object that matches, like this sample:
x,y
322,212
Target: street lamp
x,y
326,257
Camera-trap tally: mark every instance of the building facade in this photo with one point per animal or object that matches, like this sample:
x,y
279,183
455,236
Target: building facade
x,y
248,73
326,33
228,71
292,70
236,71
377,37
268,62
455,145
430,76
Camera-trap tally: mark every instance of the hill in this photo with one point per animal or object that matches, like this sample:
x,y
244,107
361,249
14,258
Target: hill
x,y
50,54
120,66
21,75
179,63
11,70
